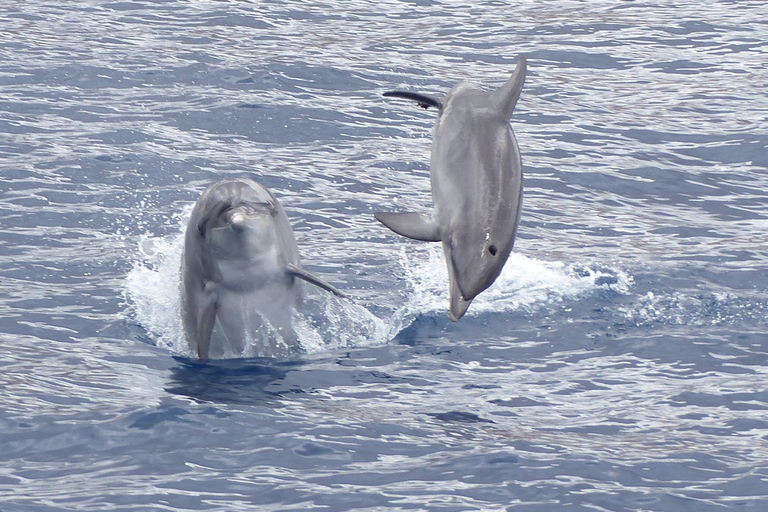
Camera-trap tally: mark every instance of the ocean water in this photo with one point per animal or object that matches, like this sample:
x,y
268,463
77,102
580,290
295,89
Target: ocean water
x,y
619,363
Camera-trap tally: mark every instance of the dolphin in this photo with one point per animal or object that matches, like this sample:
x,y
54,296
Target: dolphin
x,y
477,185
239,267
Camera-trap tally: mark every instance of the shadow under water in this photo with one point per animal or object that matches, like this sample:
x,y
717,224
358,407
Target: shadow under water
x,y
231,381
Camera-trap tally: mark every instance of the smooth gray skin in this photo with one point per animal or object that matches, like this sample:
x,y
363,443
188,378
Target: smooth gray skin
x,y
239,267
476,176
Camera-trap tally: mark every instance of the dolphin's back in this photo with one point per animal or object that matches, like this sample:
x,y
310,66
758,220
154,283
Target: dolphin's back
x,y
479,170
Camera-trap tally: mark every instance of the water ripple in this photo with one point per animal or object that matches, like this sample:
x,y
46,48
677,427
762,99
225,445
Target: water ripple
x,y
617,364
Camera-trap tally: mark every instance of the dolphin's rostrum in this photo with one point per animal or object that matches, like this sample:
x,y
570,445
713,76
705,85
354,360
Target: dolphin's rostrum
x,y
476,176
239,271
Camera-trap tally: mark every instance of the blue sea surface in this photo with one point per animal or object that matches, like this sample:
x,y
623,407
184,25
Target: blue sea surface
x,y
619,363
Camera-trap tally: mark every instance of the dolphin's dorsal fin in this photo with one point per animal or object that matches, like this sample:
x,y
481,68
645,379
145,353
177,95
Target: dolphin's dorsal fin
x,y
413,225
423,100
506,96
299,272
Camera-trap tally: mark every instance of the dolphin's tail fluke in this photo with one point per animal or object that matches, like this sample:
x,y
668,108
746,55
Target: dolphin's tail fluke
x,y
506,96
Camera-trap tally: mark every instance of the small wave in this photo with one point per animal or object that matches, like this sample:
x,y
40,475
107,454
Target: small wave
x,y
329,323
152,289
525,284
706,309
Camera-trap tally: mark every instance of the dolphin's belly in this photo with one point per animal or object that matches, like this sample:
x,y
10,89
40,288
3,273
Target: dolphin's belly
x,y
255,323
246,275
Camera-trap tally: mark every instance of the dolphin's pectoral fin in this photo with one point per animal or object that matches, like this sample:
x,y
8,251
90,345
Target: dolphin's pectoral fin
x,y
422,100
412,225
311,278
206,319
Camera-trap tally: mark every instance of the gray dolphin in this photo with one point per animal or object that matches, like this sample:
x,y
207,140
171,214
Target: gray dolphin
x,y
476,176
239,267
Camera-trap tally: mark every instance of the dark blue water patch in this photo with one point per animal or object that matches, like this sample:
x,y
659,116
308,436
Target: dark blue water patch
x,y
458,417
127,6
576,59
419,330
65,326
581,386
748,424
313,450
576,29
751,149
237,381
731,401
693,27
43,439
699,233
228,19
480,386
299,76
598,430
684,67
145,421
348,381
112,177
591,137
536,118
519,401
319,221
275,124
707,148
23,15
664,183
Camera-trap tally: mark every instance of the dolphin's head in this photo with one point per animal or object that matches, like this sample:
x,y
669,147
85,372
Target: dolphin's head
x,y
476,258
239,231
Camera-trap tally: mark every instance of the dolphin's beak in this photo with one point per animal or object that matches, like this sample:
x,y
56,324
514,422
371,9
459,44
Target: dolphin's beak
x,y
465,279
237,219
458,303
242,218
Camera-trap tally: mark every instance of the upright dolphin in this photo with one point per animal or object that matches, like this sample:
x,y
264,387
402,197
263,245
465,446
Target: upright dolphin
x,y
476,176
239,267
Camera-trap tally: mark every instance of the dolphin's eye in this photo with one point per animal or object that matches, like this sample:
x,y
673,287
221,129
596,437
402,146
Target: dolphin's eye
x,y
492,249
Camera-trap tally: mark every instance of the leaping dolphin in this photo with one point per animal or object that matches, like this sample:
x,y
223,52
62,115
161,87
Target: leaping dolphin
x,y
239,267
476,176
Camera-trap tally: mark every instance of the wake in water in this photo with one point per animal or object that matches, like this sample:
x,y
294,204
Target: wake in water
x,y
695,309
327,322
153,289
525,284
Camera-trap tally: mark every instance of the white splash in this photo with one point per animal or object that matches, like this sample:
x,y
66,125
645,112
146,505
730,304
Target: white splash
x,y
694,309
525,284
326,322
152,287
329,323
